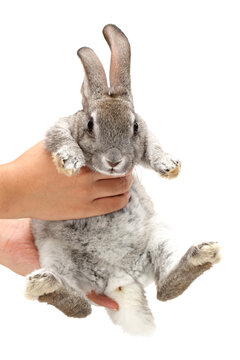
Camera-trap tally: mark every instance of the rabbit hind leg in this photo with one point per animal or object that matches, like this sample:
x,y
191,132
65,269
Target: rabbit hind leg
x,y
195,262
48,287
72,304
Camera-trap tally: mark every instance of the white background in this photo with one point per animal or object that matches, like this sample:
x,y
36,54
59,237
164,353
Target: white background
x,y
186,85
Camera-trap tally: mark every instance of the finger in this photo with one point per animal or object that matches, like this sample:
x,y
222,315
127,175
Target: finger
x,y
103,300
109,204
112,187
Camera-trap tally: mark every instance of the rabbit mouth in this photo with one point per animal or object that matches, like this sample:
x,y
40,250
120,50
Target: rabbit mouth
x,y
111,171
111,166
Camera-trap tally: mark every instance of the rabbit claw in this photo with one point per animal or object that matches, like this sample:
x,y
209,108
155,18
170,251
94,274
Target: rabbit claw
x,y
169,167
67,162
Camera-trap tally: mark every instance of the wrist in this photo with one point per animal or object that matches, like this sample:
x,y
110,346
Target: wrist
x,y
10,192
5,192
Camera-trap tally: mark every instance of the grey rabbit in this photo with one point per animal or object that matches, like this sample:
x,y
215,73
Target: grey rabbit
x,y
116,254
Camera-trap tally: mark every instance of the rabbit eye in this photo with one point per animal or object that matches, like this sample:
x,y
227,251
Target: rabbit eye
x,y
135,127
90,125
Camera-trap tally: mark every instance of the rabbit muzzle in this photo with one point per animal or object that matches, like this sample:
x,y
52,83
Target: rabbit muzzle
x,y
112,162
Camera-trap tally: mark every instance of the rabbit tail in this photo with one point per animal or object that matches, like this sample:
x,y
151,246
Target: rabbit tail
x,y
134,315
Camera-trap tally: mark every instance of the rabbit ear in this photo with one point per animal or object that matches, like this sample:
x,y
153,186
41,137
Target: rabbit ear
x,y
95,81
120,60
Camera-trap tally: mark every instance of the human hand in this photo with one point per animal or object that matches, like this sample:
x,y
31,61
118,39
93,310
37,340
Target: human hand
x,y
19,254
34,188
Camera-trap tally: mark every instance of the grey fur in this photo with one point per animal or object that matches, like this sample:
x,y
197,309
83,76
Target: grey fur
x,y
172,285
120,83
71,304
115,254
95,82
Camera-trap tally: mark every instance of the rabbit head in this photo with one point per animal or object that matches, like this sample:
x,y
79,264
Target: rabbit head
x,y
114,135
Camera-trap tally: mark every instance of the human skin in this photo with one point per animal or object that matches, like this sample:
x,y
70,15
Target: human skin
x,y
19,254
31,187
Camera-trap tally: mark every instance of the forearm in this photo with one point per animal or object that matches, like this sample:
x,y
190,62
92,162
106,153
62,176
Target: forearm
x,y
153,150
63,132
61,142
156,158
7,193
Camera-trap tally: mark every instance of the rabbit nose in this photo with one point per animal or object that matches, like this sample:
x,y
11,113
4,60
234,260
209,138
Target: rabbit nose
x,y
113,157
113,164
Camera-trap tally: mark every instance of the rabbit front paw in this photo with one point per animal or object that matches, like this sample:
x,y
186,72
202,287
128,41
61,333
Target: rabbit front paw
x,y
168,166
68,161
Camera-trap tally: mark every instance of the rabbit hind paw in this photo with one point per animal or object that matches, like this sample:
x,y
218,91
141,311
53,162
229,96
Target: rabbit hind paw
x,y
41,282
205,253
